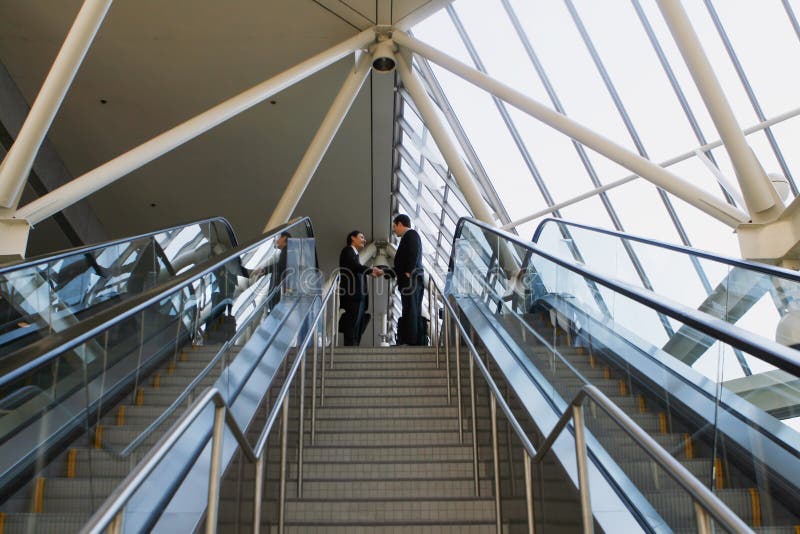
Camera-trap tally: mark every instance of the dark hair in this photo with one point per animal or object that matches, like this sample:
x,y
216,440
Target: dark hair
x,y
351,235
403,219
285,234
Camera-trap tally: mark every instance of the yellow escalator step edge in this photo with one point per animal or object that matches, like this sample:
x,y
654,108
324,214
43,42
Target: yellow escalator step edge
x,y
72,457
755,504
38,496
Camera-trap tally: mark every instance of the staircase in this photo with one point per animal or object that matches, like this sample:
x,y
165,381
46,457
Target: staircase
x,y
75,483
387,456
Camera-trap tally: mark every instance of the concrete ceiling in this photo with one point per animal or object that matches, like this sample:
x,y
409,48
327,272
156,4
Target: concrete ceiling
x,y
155,64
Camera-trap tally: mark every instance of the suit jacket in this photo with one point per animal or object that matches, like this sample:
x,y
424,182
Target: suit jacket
x,y
352,285
408,258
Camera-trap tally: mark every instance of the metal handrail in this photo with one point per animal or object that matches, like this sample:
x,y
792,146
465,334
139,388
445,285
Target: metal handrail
x,y
111,513
22,264
705,500
778,355
138,440
44,351
763,268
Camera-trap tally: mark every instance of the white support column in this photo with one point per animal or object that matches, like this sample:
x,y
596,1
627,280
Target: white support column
x,y
442,136
18,162
762,200
118,167
645,168
320,143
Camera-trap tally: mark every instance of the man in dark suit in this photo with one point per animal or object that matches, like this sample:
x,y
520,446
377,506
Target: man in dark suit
x,y
353,289
410,282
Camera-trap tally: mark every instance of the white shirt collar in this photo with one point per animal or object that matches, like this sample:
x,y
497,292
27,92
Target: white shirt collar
x,y
354,249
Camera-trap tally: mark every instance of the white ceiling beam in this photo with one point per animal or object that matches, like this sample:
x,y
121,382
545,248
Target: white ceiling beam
x,y
135,158
447,145
319,144
645,168
18,162
760,196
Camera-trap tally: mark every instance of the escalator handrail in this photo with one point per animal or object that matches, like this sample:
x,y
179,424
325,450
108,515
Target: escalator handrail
x,y
30,262
113,507
763,268
44,351
701,494
698,491
147,432
780,356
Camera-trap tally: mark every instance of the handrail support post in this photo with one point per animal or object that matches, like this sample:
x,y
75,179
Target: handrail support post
x,y
458,387
447,352
214,475
583,474
496,463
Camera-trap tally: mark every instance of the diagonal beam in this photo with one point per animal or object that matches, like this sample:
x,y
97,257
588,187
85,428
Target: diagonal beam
x,y
118,167
762,200
447,146
19,160
320,143
645,168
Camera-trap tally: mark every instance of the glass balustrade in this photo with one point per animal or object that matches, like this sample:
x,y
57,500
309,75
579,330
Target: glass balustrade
x,y
42,296
676,372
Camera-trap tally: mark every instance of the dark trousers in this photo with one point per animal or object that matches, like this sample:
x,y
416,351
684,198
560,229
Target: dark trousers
x,y
351,323
409,327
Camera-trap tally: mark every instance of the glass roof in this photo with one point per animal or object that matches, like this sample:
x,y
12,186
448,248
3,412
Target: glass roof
x,y
614,67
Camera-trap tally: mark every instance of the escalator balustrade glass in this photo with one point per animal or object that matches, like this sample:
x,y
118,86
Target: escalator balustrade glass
x,y
573,326
92,400
758,298
43,296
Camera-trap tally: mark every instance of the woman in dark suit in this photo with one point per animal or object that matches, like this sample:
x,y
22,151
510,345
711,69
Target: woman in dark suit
x,y
353,288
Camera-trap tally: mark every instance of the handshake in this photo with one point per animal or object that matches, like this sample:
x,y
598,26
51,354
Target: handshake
x,y
377,271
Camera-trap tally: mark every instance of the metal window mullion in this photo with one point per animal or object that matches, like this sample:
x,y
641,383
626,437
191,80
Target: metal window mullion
x,y
687,111
676,87
623,114
750,94
503,110
444,174
639,147
441,222
553,95
406,155
439,197
792,18
439,98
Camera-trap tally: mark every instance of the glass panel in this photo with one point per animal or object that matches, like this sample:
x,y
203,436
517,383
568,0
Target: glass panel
x,y
715,287
688,393
120,390
45,296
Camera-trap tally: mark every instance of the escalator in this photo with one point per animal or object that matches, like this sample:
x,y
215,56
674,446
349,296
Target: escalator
x,y
109,421
762,299
84,404
553,325
48,294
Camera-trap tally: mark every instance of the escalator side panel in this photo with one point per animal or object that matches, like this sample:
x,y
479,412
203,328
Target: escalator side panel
x,y
742,422
185,468
610,511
